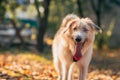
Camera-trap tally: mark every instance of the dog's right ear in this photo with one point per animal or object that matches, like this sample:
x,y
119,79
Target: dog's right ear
x,y
68,21
69,24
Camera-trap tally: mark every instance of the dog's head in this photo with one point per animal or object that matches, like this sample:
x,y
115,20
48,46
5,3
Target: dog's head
x,y
81,29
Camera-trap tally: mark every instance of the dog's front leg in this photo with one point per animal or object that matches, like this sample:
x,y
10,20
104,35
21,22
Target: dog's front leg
x,y
58,66
83,73
71,71
65,69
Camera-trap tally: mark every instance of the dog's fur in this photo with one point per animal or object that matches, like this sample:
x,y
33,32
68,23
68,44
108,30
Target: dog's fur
x,y
64,46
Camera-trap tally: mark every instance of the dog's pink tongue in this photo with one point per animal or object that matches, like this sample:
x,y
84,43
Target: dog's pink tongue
x,y
78,53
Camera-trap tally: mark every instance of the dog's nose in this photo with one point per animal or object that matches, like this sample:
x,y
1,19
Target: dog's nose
x,y
78,39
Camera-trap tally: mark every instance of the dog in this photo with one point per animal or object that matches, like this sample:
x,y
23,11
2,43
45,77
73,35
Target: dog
x,y
73,46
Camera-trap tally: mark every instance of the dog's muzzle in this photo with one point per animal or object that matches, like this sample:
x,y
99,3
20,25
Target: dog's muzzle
x,y
78,39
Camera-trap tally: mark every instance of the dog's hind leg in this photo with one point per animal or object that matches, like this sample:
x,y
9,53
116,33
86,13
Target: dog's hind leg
x,y
57,65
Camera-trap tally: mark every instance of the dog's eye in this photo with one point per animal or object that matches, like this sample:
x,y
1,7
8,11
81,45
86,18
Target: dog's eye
x,y
85,29
74,28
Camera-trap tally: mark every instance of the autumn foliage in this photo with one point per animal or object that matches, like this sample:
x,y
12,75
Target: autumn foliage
x,y
28,65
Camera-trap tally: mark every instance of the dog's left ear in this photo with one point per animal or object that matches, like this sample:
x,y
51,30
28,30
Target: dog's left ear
x,y
90,23
97,28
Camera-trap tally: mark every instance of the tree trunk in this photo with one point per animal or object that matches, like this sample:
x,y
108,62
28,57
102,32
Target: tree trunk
x,y
40,35
17,31
80,10
97,10
98,13
43,21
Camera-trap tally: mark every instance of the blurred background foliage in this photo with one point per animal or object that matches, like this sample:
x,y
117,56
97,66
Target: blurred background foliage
x,y
40,19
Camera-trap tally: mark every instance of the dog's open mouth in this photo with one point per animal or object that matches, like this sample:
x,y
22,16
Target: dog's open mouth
x,y
78,53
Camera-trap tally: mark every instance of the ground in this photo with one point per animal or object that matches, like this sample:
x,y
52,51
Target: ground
x,y
28,65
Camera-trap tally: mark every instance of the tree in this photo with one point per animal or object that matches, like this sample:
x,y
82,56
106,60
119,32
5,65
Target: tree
x,y
2,9
43,21
17,31
96,6
13,5
99,7
13,20
97,10
80,10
